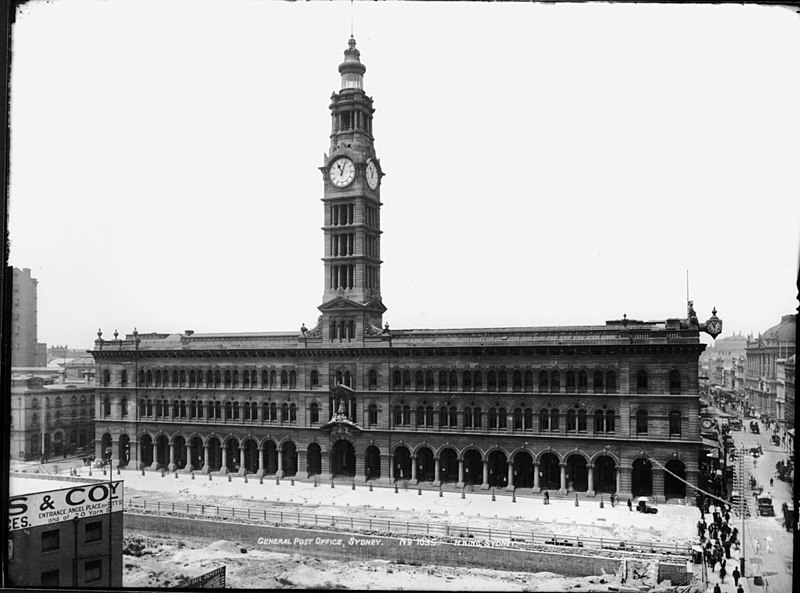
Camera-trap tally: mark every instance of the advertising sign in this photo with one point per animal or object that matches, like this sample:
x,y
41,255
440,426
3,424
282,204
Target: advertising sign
x,y
211,580
55,506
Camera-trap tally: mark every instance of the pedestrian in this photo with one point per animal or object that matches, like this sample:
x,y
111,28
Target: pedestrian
x,y
717,589
770,482
722,574
736,576
630,505
546,497
739,589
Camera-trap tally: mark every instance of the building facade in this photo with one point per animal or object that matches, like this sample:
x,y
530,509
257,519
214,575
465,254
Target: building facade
x,y
763,353
25,349
49,419
606,408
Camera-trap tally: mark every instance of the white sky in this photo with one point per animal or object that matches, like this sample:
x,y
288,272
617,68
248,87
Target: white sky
x,y
546,164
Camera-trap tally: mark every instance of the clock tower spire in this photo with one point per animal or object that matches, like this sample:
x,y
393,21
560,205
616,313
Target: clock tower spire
x,y
352,307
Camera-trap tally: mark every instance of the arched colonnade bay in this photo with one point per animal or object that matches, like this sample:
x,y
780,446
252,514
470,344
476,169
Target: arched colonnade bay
x,y
558,471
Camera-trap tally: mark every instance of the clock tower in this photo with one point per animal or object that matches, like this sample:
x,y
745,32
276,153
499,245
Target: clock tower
x,y
351,303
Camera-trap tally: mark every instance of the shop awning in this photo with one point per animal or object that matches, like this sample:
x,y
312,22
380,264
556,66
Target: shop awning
x,y
711,444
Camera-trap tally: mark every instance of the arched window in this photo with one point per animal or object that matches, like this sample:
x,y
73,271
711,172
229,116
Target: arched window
x,y
453,417
398,415
148,408
217,378
516,381
396,379
581,420
313,413
314,378
527,384
406,379
453,382
502,381
674,382
234,378
555,382
554,419
641,381
107,407
583,381
123,408
284,412
292,379
468,417
611,382
372,378
571,420
106,378
148,378
273,378
597,382
420,415
253,411
570,387
599,424
502,418
429,380
292,412
284,379
491,381
641,422
517,418
183,408
372,414
544,419
406,415
264,379
492,418
35,402
477,381
675,423
442,380
419,380
158,378
273,412
466,380
123,378
58,403
175,380
610,421
476,417
543,381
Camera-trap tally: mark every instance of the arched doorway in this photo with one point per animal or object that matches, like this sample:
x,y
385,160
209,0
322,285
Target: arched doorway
x,y
642,478
46,451
498,469
105,447
473,467
214,454
314,459
250,453
523,470
270,458
448,466
124,450
196,453
289,458
146,450
577,473
372,463
179,448
162,450
426,466
402,463
232,455
58,443
605,474
551,472
343,459
675,487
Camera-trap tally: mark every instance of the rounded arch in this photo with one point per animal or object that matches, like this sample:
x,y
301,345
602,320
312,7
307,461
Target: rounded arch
x,y
494,448
595,456
642,476
426,464
448,464
550,470
372,462
401,459
605,472
343,458
314,459
227,439
522,462
675,485
473,465
577,471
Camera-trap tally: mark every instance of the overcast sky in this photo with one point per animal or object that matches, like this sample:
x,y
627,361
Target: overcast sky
x,y
545,164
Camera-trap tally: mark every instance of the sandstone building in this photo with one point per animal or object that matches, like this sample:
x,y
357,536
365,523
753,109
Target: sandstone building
x,y
569,409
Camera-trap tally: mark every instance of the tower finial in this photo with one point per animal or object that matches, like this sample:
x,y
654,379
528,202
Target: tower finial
x,y
351,19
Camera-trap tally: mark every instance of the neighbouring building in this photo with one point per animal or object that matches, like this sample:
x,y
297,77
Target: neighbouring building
x,y
50,419
66,537
588,409
763,353
26,351
785,391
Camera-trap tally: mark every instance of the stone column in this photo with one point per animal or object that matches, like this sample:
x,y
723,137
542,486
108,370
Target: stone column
x,y
325,466
279,473
242,469
510,486
188,467
224,461
413,470
361,467
391,468
625,486
171,466
302,465
260,472
114,451
460,473
658,484
536,486
563,489
590,469
485,483
206,468
618,477
436,477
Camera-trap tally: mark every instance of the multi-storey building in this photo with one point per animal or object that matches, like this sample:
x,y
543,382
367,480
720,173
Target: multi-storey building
x,y
761,380
25,350
784,398
49,420
590,409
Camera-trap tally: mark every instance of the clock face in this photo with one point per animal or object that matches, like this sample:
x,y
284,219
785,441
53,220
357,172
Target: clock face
x,y
372,175
342,172
714,327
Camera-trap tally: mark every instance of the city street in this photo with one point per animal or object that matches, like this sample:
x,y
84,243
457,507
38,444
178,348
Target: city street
x,y
766,537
